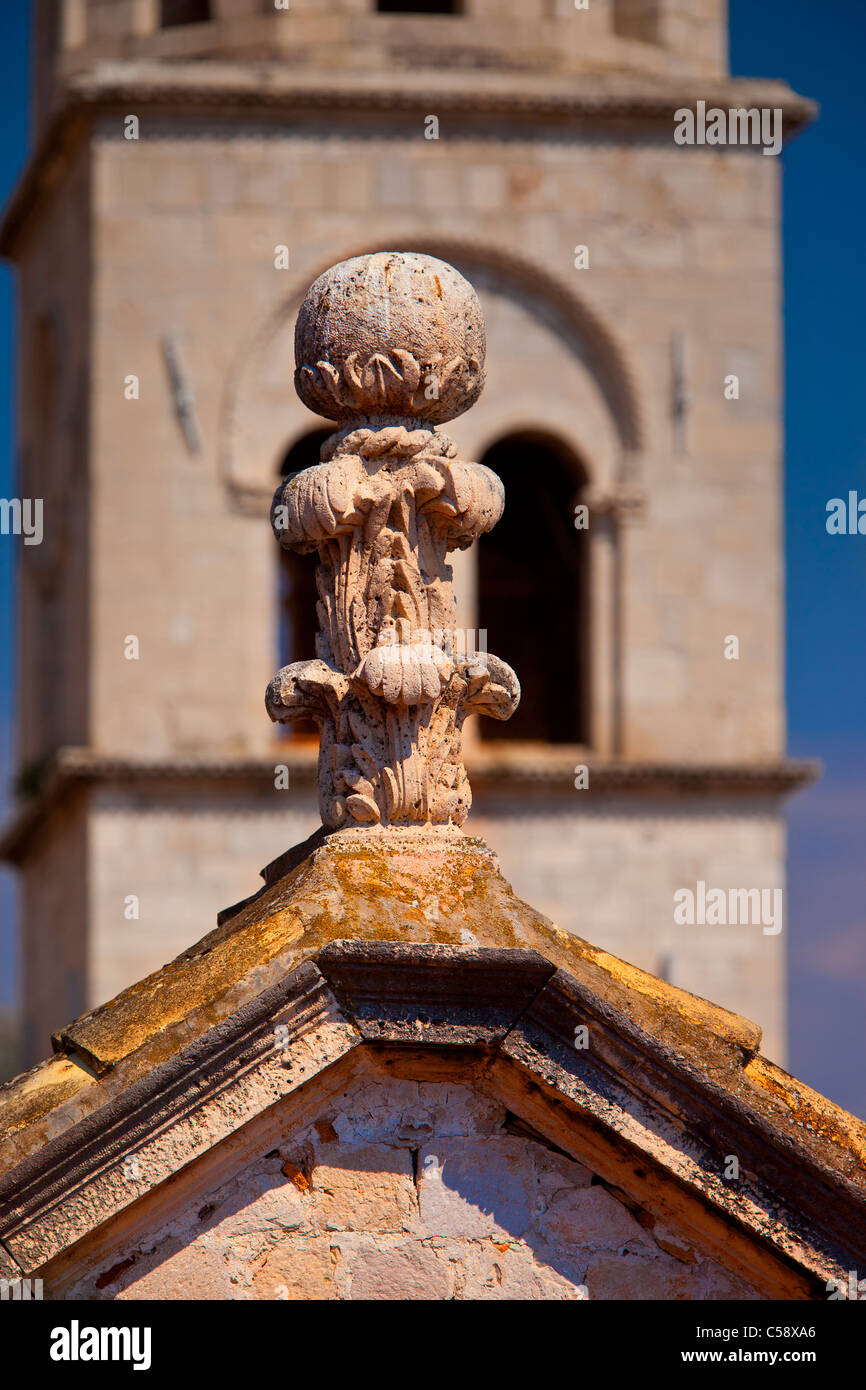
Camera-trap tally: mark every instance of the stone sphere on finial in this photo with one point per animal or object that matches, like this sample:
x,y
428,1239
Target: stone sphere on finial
x,y
394,334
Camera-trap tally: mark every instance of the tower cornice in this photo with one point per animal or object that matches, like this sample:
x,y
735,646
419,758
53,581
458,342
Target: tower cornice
x,y
502,769
226,91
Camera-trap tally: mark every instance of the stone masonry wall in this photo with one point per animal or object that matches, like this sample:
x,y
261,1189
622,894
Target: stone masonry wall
x,y
407,1190
607,868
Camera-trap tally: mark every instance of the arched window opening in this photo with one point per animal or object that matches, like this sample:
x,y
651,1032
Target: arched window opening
x,y
419,6
298,624
174,12
533,581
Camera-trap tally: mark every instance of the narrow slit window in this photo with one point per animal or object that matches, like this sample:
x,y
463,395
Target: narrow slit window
x,y
419,6
175,12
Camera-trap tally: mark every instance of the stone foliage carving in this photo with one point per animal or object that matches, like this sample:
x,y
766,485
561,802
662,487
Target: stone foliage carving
x,y
388,382
391,333
389,345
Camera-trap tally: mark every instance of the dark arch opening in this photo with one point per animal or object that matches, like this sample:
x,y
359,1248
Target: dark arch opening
x,y
533,590
175,12
419,6
296,613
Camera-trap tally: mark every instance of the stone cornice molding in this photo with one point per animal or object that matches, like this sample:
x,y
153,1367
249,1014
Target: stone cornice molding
x,y
225,90
493,768
215,85
629,1103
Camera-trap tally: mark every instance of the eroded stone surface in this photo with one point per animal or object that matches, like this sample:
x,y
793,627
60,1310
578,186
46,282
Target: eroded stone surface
x,y
651,1046
406,1190
389,345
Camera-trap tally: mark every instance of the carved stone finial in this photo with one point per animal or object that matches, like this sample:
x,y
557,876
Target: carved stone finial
x,y
389,345
391,334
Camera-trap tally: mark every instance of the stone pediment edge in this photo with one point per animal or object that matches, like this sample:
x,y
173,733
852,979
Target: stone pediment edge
x,y
514,1007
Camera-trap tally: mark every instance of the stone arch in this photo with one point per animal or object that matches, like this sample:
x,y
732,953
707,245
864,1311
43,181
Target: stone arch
x,y
555,298
552,299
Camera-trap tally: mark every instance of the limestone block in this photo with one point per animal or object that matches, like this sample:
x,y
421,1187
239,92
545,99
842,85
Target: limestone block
x,y
362,1187
485,186
493,1270
590,1216
405,1272
301,1268
266,1203
396,184
638,1279
407,1113
557,1176
438,183
472,1187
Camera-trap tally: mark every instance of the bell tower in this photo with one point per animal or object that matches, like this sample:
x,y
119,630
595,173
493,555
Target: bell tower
x,y
196,164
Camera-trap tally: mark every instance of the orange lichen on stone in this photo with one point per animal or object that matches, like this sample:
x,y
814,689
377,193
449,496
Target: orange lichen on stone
x,y
420,887
415,887
810,1110
295,1175
196,981
27,1098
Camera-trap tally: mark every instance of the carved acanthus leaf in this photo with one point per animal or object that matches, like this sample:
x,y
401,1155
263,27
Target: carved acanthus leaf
x,y
393,382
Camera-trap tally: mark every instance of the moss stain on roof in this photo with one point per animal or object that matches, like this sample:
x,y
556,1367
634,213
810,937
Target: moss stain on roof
x,y
415,888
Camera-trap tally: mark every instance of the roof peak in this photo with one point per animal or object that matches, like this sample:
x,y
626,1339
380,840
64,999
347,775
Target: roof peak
x,y
412,942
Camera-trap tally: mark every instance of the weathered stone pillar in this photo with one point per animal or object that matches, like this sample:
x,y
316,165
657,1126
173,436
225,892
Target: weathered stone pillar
x,y
389,346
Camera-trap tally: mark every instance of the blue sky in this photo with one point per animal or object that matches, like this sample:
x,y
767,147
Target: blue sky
x,y
818,47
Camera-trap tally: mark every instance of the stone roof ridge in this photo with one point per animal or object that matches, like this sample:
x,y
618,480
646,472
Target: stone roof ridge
x,y
353,894
803,1187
